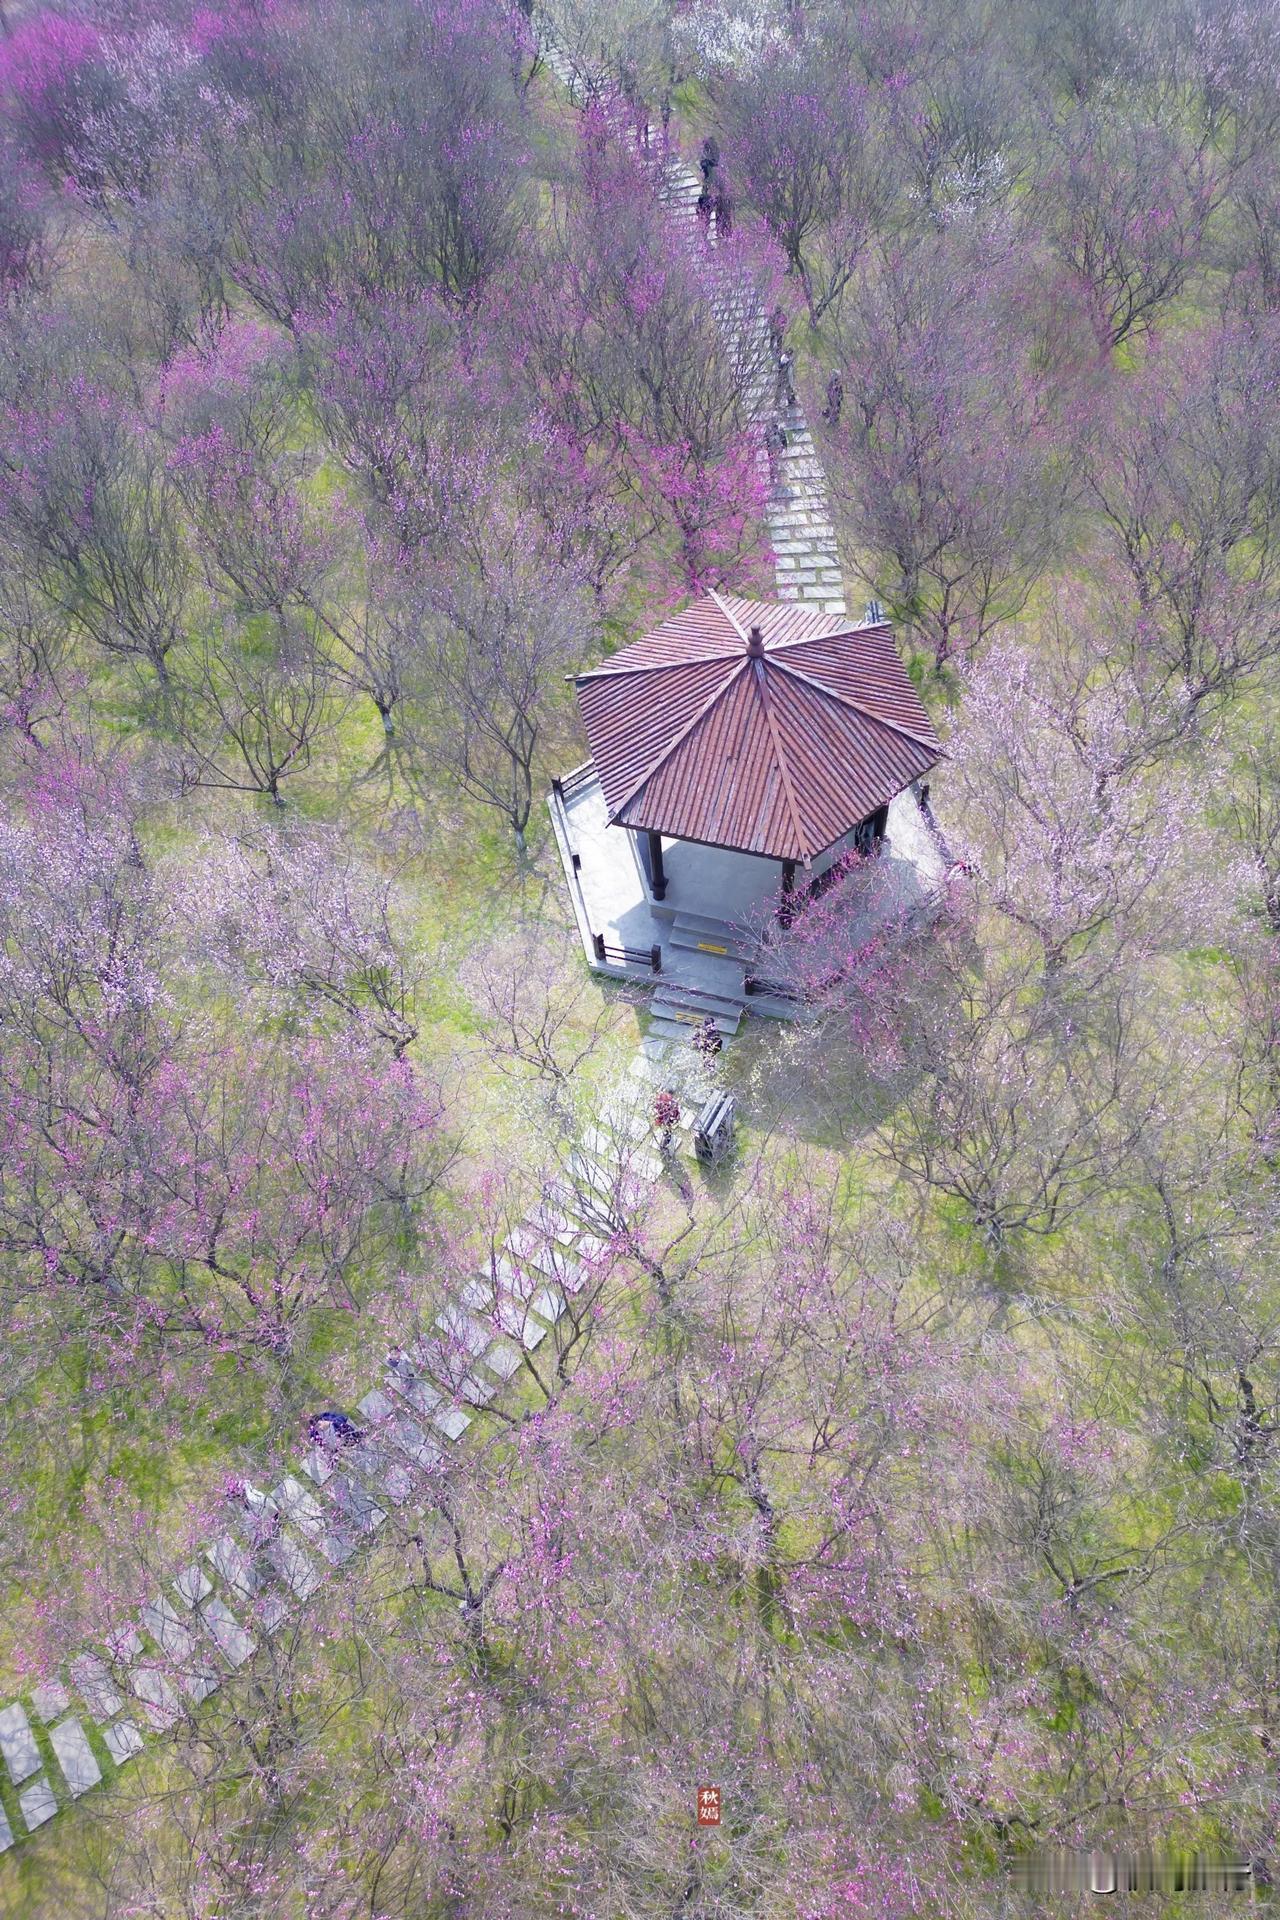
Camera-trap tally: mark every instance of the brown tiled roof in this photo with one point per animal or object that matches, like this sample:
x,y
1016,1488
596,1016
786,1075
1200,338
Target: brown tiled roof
x,y
775,751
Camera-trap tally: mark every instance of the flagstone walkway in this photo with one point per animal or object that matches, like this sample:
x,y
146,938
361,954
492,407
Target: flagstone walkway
x,y
80,1726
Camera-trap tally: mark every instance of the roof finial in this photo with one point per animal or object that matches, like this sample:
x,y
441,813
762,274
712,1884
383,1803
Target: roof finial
x,y
755,644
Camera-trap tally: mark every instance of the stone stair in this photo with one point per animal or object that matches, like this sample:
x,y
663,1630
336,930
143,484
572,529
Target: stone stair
x,y
701,933
62,1740
678,1012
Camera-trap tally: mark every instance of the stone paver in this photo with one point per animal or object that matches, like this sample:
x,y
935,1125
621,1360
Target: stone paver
x,y
299,1507
386,1476
272,1611
162,1621
318,1464
123,1740
520,1324
452,1422
549,1302
338,1547
298,1573
95,1686
502,1358
225,1631
356,1504
192,1585
572,1274
38,1804
75,1756
464,1329
50,1699
159,1701
17,1744
412,1441
124,1643
375,1406
476,1390
234,1566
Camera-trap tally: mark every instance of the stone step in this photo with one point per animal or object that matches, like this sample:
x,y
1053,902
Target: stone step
x,y
683,1023
596,1212
772,1008
811,533
669,1030
698,933
812,518
801,504
796,542
678,1000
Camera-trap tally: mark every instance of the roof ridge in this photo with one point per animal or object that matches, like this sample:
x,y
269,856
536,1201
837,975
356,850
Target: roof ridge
x,y
729,615
762,692
858,706
606,672
651,666
837,633
679,739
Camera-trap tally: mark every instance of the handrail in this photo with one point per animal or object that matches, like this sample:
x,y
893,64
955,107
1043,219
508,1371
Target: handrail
x,y
581,776
650,957
775,989
607,952
700,993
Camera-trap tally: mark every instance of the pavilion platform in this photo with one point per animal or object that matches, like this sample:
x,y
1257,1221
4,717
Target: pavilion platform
x,y
739,751
716,930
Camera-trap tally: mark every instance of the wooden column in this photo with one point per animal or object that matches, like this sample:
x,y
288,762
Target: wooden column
x,y
657,872
785,905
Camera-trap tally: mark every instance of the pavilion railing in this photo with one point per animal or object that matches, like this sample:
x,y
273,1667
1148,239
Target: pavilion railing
x,y
775,989
607,952
566,784
701,993
650,957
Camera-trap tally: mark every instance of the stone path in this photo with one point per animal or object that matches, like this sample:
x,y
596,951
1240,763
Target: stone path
x,y
798,510
80,1727
802,536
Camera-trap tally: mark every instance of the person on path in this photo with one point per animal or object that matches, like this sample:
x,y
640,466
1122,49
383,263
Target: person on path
x,y
630,83
722,207
707,1041
666,1118
401,1367
777,330
785,398
331,1427
703,211
775,445
710,157
835,400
